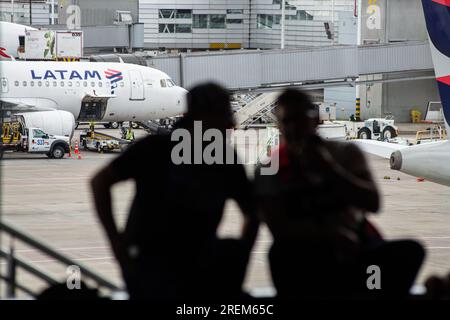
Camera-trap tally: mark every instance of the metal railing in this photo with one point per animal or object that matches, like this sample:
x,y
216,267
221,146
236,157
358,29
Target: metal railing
x,y
13,263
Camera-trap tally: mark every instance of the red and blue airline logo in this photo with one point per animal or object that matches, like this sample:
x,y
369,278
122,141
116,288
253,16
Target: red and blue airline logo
x,y
4,54
114,77
437,16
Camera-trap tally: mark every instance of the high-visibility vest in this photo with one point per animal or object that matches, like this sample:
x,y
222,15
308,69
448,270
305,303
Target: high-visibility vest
x,y
130,135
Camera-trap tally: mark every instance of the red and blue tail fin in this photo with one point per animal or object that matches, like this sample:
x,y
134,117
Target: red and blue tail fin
x,y
437,16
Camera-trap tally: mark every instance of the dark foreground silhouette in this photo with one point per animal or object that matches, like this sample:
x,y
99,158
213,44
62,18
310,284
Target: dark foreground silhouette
x,y
170,249
316,208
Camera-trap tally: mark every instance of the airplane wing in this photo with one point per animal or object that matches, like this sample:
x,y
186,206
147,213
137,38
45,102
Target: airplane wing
x,y
379,148
18,106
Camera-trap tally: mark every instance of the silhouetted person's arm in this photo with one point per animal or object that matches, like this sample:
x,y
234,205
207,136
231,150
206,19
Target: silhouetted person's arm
x,y
127,166
354,176
251,223
245,200
101,186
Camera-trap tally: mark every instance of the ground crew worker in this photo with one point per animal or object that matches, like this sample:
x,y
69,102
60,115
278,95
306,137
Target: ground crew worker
x,y
92,129
130,134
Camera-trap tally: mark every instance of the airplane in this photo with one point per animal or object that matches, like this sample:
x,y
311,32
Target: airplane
x,y
9,39
429,160
89,91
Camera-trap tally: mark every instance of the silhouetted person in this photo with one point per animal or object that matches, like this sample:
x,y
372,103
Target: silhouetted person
x,y
170,249
316,207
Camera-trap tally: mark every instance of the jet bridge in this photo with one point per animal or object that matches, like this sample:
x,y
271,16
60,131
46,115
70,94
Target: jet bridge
x,y
246,70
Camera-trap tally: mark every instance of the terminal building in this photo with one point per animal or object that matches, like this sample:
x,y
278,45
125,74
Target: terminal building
x,y
19,11
188,26
225,24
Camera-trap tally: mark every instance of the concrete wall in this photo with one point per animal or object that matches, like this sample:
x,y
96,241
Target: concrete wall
x,y
402,97
345,101
99,12
390,21
371,98
406,21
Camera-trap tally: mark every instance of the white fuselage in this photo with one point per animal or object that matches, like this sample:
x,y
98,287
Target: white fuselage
x,y
119,91
9,39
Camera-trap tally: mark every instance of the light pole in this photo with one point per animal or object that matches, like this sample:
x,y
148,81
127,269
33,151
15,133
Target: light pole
x,y
332,20
31,11
53,11
283,9
12,10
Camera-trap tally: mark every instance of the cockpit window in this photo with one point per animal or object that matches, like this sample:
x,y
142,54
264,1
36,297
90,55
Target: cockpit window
x,y
170,83
163,83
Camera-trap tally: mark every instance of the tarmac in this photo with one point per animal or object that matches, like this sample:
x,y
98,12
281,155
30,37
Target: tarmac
x,y
51,200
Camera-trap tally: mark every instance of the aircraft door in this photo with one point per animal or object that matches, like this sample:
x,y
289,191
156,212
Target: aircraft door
x,y
93,108
5,87
137,85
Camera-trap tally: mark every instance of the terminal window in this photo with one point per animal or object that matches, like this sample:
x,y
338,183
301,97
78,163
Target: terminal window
x,y
167,13
301,15
234,21
217,21
183,28
175,13
265,21
235,11
166,28
184,14
200,21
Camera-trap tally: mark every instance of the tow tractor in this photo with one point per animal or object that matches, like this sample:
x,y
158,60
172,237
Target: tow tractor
x,y
100,142
378,129
18,138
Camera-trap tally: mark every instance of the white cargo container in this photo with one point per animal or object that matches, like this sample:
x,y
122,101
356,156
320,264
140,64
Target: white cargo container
x,y
48,44
40,44
69,44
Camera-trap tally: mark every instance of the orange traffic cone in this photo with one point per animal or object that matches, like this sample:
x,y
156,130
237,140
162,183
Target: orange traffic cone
x,y
77,151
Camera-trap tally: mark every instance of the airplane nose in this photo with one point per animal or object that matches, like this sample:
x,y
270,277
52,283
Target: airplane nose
x,y
396,160
181,99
